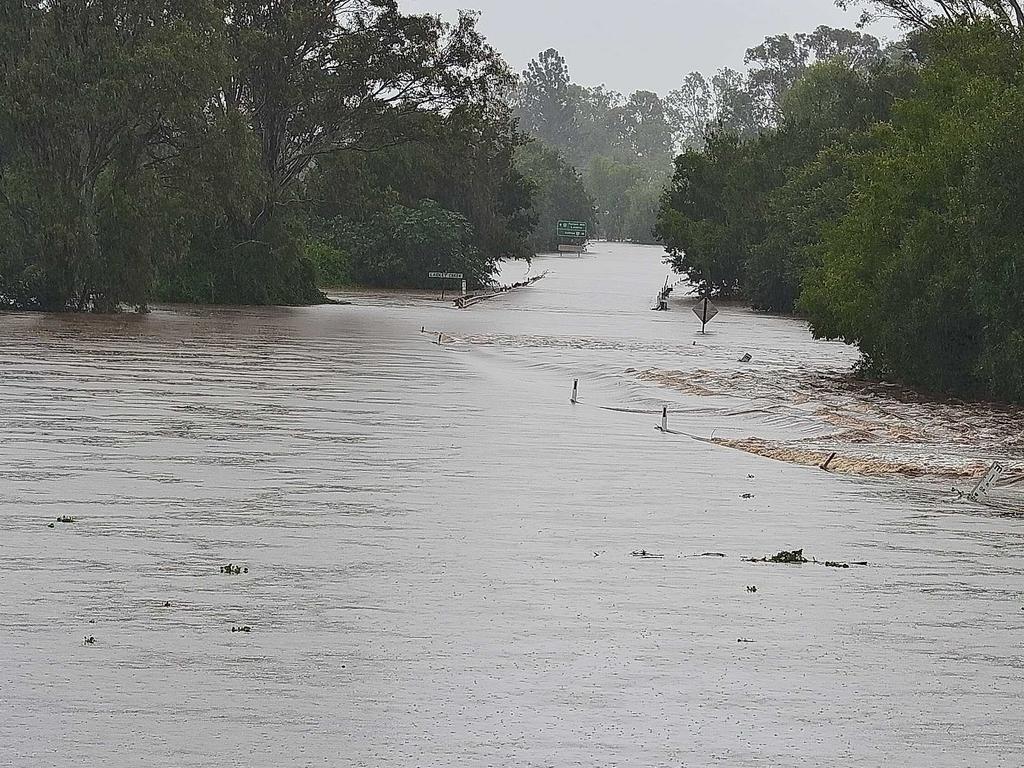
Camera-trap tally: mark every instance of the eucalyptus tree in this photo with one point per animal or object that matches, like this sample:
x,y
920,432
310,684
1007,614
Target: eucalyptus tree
x,y
547,101
309,79
646,134
778,62
92,96
737,106
691,110
314,77
927,14
750,102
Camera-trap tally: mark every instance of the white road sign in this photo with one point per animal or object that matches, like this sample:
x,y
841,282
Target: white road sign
x,y
991,477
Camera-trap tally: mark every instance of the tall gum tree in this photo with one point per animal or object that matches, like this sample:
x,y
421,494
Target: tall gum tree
x,y
88,90
314,77
925,14
311,78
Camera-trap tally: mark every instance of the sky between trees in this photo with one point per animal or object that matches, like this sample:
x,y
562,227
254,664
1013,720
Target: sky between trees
x,y
643,44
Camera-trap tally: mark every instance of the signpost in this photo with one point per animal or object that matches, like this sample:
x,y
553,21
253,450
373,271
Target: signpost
x,y
572,236
705,311
991,477
442,276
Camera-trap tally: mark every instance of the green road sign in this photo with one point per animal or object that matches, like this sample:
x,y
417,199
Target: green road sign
x,y
572,229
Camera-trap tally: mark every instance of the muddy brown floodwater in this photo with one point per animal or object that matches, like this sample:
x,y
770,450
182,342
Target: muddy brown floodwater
x,y
438,542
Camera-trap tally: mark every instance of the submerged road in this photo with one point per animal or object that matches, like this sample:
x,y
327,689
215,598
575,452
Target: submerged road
x,y
438,542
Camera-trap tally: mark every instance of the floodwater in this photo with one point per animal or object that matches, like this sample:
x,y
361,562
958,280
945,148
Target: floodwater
x,y
438,542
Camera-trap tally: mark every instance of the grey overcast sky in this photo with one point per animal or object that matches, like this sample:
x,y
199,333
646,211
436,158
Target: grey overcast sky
x,y
640,44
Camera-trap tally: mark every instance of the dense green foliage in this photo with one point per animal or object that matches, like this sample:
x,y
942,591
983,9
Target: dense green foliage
x,y
399,245
739,216
170,149
87,206
923,271
714,211
879,199
375,217
559,194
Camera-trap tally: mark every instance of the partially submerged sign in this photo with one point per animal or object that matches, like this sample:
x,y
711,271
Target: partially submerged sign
x,y
991,477
705,312
448,276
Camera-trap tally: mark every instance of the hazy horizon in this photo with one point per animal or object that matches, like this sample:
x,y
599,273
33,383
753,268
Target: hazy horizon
x,y
648,44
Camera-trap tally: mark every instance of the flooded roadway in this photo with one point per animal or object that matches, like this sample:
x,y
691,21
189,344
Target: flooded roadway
x,y
438,542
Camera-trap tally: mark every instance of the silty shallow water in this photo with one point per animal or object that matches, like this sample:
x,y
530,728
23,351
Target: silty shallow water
x,y
438,542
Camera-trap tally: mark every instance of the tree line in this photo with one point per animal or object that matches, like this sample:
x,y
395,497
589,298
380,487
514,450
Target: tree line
x,y
619,147
874,190
249,151
622,147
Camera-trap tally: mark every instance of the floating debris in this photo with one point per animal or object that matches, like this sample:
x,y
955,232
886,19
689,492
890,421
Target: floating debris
x,y
746,358
837,564
796,556
647,555
244,628
233,570
50,525
90,640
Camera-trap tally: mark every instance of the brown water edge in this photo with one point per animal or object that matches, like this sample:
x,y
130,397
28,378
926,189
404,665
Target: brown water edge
x,y
874,429
848,464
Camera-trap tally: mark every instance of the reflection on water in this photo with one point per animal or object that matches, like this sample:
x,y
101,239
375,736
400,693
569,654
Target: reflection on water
x,y
438,541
